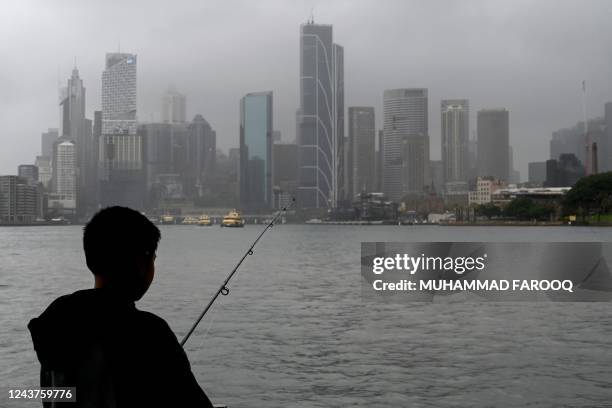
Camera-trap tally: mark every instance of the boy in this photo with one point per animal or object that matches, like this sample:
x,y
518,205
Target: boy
x,y
97,341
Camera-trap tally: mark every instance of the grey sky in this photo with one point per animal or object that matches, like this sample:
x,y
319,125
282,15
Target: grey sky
x,y
526,56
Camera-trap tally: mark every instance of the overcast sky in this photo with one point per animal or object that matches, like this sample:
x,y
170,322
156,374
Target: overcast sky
x,y
527,56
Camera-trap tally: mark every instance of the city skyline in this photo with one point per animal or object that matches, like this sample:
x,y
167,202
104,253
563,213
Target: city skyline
x,y
487,75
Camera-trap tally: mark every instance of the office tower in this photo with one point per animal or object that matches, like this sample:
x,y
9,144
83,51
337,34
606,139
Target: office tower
x,y
606,148
437,178
406,142
564,172
320,118
455,135
47,139
74,127
45,171
120,149
380,161
514,176
537,172
202,154
362,150
64,191
165,159
19,201
284,173
338,130
493,143
174,105
72,108
28,172
256,127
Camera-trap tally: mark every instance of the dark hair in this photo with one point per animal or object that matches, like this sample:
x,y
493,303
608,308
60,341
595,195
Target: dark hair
x,y
115,236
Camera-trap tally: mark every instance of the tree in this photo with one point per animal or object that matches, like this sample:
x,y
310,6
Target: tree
x,y
488,210
523,208
590,195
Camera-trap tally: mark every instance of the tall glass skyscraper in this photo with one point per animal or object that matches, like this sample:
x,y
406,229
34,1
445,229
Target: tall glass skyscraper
x,y
256,128
406,142
320,118
121,164
455,136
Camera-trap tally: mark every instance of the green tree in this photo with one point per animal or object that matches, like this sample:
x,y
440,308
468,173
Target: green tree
x,y
488,210
523,208
590,195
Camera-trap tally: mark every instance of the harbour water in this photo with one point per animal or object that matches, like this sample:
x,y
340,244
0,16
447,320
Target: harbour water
x,y
295,332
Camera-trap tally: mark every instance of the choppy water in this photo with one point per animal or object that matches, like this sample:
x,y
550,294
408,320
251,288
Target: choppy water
x,y
294,331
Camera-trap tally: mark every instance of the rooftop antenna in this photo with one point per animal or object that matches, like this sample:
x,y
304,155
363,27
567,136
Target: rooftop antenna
x,y
119,46
311,21
587,138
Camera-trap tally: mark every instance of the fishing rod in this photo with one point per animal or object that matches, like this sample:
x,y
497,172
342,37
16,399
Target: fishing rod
x,y
223,289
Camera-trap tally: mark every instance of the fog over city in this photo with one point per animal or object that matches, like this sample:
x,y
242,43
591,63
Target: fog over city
x,y
529,57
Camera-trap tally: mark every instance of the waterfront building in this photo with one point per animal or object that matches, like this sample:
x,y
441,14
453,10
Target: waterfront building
x,y
19,201
320,118
256,127
406,142
485,188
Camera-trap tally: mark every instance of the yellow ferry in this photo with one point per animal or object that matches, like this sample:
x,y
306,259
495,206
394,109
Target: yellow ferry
x,y
204,221
232,219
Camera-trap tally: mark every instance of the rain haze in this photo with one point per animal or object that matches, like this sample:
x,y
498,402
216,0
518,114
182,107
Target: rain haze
x,y
527,56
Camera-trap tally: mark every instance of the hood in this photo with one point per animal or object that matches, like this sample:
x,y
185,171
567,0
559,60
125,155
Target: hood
x,y
72,323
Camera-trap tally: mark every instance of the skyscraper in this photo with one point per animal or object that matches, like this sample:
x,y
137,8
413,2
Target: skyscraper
x,y
201,153
406,142
47,139
320,118
75,128
607,146
121,164
455,134
64,196
362,150
174,107
493,143
256,127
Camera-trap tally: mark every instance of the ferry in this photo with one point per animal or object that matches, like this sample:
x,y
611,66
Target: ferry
x,y
232,219
204,221
168,219
190,220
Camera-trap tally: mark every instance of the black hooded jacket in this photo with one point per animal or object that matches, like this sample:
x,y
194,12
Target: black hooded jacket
x,y
114,354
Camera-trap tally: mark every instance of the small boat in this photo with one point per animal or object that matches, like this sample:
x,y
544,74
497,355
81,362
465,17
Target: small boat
x,y
233,219
204,221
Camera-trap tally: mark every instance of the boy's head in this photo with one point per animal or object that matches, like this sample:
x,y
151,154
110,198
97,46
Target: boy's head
x,y
120,246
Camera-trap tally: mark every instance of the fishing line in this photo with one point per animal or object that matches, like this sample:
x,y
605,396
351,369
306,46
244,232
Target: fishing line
x,y
223,289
